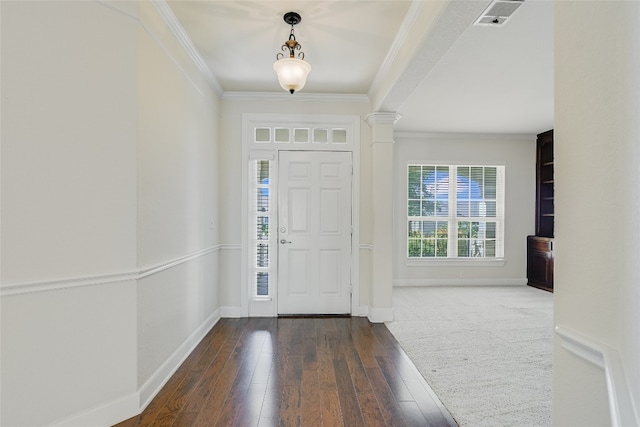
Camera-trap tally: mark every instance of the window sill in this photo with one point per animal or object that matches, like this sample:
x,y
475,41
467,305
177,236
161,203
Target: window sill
x,y
456,262
261,299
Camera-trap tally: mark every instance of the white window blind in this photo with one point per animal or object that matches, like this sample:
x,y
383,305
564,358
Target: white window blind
x,y
455,211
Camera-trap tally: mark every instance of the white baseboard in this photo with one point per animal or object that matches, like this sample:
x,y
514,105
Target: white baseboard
x,y
363,311
230,312
380,315
460,282
105,415
155,383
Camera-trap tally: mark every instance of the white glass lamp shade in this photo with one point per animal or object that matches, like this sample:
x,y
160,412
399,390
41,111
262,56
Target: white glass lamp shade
x,y
292,73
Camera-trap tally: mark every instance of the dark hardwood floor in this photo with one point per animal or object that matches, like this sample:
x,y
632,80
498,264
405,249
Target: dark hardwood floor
x,y
295,372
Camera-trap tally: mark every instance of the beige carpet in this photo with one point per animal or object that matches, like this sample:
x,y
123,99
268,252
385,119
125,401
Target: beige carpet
x,y
485,351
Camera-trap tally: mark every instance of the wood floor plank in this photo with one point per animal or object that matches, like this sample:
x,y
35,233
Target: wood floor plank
x,y
295,372
331,411
349,405
311,404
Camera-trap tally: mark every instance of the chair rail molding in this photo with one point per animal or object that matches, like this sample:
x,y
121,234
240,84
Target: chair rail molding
x,y
101,279
623,411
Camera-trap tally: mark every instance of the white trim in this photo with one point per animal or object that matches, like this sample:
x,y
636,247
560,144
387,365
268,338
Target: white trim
x,y
231,312
100,279
460,282
455,262
230,247
366,246
252,120
363,311
149,271
159,378
178,31
466,136
380,315
399,41
623,411
107,414
298,97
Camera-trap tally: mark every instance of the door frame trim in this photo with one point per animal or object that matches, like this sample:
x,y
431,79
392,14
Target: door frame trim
x,y
252,120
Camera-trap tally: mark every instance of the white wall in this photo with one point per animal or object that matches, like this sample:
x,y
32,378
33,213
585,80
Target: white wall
x,y
518,155
177,200
597,157
109,181
69,130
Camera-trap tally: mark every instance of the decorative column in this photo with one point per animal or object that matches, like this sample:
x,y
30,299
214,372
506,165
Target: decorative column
x,y
381,304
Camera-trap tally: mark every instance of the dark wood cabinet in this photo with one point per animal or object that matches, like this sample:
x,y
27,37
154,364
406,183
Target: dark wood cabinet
x,y
540,262
540,246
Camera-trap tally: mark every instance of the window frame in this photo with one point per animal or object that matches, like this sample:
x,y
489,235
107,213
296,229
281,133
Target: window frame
x,y
452,219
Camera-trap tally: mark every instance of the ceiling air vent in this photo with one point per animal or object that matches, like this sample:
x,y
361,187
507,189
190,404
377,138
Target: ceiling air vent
x,y
498,12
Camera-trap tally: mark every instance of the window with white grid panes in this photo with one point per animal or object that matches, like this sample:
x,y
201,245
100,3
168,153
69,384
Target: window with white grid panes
x,y
455,211
262,227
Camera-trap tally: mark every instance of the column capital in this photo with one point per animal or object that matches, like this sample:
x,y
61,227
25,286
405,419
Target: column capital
x,y
382,117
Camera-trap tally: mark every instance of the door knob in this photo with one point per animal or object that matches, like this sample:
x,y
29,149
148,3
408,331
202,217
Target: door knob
x,y
283,241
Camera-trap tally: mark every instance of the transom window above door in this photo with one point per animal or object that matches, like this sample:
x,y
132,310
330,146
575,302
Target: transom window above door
x,y
300,135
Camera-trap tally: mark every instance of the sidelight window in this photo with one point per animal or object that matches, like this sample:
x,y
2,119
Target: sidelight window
x,y
262,226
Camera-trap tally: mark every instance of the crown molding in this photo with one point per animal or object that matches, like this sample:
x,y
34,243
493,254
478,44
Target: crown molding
x,y
467,136
178,31
298,97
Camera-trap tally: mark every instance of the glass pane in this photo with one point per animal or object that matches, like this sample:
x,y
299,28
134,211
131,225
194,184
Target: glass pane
x,y
443,230
477,208
414,208
262,228
477,182
429,247
262,171
282,135
262,202
475,227
320,135
429,229
464,229
490,248
414,248
463,209
263,135
490,182
301,135
339,136
428,208
441,248
413,182
491,230
428,182
463,248
262,255
442,182
442,208
490,209
477,248
414,229
262,284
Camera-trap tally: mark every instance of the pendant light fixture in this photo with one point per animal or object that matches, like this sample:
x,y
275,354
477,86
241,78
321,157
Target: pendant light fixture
x,y
292,71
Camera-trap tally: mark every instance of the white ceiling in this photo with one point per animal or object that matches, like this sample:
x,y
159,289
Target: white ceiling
x,y
423,59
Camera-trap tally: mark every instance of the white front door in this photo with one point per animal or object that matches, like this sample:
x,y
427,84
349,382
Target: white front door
x,y
314,232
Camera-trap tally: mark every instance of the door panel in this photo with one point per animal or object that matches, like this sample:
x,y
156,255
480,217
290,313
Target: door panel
x,y
314,241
